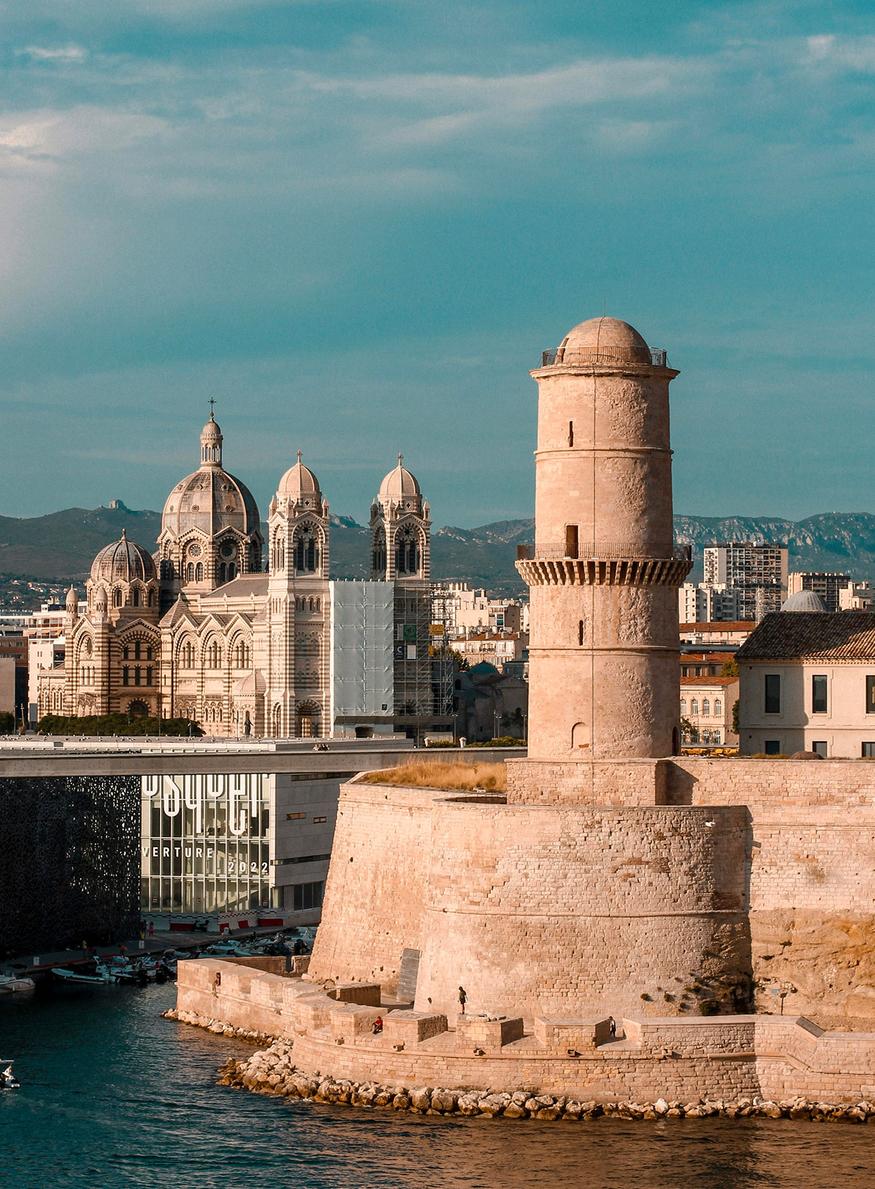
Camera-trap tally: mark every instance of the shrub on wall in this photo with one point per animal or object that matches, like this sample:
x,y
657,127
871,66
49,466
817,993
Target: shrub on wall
x,y
115,724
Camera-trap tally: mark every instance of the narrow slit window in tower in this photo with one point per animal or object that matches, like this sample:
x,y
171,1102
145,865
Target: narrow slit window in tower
x,y
571,546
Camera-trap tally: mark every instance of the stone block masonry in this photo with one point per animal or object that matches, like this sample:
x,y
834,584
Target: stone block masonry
x,y
726,1059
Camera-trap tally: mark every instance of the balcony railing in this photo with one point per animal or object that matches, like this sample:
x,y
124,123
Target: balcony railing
x,y
560,355
607,550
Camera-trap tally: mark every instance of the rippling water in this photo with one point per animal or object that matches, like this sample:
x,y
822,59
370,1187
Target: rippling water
x,y
115,1095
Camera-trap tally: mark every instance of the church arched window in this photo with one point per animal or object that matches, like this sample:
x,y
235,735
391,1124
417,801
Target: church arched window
x,y
199,572
222,574
232,571
306,550
135,596
117,597
189,572
379,552
407,551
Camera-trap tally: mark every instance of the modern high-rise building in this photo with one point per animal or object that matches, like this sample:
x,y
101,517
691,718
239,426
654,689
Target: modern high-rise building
x,y
759,571
824,583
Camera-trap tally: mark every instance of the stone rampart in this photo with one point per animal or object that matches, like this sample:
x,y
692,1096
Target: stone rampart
x,y
376,882
723,1058
555,910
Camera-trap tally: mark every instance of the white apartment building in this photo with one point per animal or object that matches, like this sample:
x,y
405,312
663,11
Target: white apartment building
x,y
707,705
859,596
462,609
807,683
759,571
827,584
705,602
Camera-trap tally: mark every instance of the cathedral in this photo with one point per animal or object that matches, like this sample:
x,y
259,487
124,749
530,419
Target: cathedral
x,y
201,629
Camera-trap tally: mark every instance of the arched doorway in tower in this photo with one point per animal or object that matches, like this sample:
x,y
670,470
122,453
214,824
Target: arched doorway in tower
x,y
307,720
138,709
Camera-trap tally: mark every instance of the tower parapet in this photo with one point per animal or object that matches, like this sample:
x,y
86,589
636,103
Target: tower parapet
x,y
604,568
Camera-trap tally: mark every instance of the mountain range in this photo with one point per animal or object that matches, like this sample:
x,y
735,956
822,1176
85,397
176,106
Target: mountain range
x,y
61,545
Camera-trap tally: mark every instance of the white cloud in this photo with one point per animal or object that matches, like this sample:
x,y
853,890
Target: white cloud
x,y
51,136
64,53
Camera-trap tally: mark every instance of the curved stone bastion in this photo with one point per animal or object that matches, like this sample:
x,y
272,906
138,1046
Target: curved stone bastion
x,y
721,1059
538,910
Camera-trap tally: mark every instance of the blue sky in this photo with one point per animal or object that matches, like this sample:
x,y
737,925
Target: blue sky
x,y
358,224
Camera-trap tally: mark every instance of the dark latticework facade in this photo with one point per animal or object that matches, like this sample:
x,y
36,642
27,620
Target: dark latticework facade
x,y
69,861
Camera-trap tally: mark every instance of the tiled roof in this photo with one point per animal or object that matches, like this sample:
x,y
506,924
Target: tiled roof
x,y
812,635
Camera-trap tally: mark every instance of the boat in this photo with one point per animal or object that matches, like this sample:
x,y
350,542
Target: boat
x,y
14,984
101,976
8,1080
227,949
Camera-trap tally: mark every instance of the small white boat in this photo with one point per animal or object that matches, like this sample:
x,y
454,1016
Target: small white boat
x,y
14,984
8,1080
101,976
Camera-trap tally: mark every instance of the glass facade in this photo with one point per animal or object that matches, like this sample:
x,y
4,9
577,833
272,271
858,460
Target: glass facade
x,y
204,843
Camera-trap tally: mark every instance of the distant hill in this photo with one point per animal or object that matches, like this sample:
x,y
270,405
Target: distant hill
x,y
60,546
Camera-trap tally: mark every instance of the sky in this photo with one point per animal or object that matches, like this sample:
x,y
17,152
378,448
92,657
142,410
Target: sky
x,y
357,224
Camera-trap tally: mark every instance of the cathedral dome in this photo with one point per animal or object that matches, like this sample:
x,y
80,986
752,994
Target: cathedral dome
x,y
299,484
210,499
603,340
123,561
399,485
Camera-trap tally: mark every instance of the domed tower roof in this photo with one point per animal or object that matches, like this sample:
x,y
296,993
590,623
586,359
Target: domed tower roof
x,y
299,483
210,499
804,600
211,443
603,340
123,561
399,485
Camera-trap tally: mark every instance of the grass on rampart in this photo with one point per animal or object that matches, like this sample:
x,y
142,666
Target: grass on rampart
x,y
432,774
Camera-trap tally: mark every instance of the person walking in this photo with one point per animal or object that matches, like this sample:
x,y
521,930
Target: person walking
x,y
463,999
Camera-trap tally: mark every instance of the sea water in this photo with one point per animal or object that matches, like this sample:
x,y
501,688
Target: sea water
x,y
114,1095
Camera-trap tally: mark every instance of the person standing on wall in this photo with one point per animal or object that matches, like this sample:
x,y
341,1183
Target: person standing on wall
x,y
463,999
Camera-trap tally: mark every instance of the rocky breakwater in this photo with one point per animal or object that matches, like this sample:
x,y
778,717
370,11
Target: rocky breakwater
x,y
219,1027
272,1071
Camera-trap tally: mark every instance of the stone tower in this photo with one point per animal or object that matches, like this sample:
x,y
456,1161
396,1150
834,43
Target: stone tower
x,y
603,674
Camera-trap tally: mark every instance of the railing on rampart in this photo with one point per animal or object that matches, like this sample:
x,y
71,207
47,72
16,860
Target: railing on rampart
x,y
600,550
559,355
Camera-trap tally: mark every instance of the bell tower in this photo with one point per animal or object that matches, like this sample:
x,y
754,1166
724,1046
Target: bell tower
x,y
604,572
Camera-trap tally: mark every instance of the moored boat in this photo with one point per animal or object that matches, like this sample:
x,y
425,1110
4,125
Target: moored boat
x,y
14,984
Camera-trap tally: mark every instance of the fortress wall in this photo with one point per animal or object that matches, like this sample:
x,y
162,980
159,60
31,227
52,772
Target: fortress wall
x,y
246,998
695,780
601,782
561,911
812,878
813,826
720,1058
376,881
